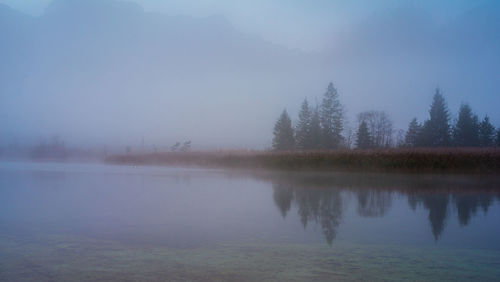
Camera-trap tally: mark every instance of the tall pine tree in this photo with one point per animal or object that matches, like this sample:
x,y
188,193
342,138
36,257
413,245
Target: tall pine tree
x,y
303,128
332,118
436,130
283,133
466,130
486,133
363,138
315,130
497,143
413,134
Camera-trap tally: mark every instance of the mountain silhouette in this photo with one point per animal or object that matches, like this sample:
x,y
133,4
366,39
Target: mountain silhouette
x,y
84,69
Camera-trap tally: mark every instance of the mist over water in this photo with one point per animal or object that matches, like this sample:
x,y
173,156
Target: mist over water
x,y
301,140
180,206
61,221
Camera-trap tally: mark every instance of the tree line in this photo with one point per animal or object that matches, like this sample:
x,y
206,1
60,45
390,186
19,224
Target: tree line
x,y
322,128
317,128
438,131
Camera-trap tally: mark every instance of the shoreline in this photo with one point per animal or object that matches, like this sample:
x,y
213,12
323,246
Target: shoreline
x,y
425,160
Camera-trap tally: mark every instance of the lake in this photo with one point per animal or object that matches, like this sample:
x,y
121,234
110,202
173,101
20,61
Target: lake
x,y
98,222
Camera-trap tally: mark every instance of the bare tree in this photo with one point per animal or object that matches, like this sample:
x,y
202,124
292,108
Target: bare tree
x,y
379,126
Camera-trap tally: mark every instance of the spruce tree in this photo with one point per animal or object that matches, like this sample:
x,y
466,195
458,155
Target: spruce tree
x,y
466,130
436,130
331,117
302,130
315,131
498,138
486,133
283,133
363,138
413,134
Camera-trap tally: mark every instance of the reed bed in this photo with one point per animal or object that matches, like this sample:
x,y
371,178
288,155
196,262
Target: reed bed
x,y
435,159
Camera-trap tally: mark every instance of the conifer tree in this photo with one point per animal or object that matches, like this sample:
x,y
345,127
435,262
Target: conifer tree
x,y
283,133
498,138
331,117
436,130
363,138
486,133
413,134
315,130
302,130
466,130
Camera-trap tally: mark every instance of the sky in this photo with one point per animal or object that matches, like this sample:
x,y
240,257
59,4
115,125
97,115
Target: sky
x,y
302,24
219,73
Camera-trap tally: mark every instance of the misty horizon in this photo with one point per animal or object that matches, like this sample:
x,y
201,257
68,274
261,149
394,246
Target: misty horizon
x,y
250,140
116,73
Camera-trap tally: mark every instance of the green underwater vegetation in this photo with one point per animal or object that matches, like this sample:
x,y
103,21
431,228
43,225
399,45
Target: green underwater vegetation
x,y
77,258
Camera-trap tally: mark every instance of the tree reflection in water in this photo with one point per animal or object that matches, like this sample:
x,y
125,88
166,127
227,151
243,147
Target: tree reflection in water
x,y
437,205
283,195
318,197
323,206
373,203
467,206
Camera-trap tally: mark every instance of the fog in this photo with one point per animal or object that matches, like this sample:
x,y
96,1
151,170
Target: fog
x,y
120,73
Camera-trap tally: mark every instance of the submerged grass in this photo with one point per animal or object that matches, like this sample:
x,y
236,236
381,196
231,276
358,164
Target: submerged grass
x,y
426,160
73,258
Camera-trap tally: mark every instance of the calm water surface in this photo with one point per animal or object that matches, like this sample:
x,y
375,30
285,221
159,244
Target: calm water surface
x,y
89,222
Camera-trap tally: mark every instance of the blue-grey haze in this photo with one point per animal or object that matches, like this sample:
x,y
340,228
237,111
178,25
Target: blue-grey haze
x,y
61,222
219,73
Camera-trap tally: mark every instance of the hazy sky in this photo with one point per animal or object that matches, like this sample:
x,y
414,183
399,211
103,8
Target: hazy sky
x,y
220,72
308,25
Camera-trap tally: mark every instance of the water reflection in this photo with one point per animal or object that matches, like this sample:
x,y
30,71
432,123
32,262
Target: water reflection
x,y
321,198
283,195
192,207
437,205
323,206
373,203
467,206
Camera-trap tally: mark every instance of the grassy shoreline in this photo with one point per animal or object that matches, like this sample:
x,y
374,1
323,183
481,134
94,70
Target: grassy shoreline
x,y
460,160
